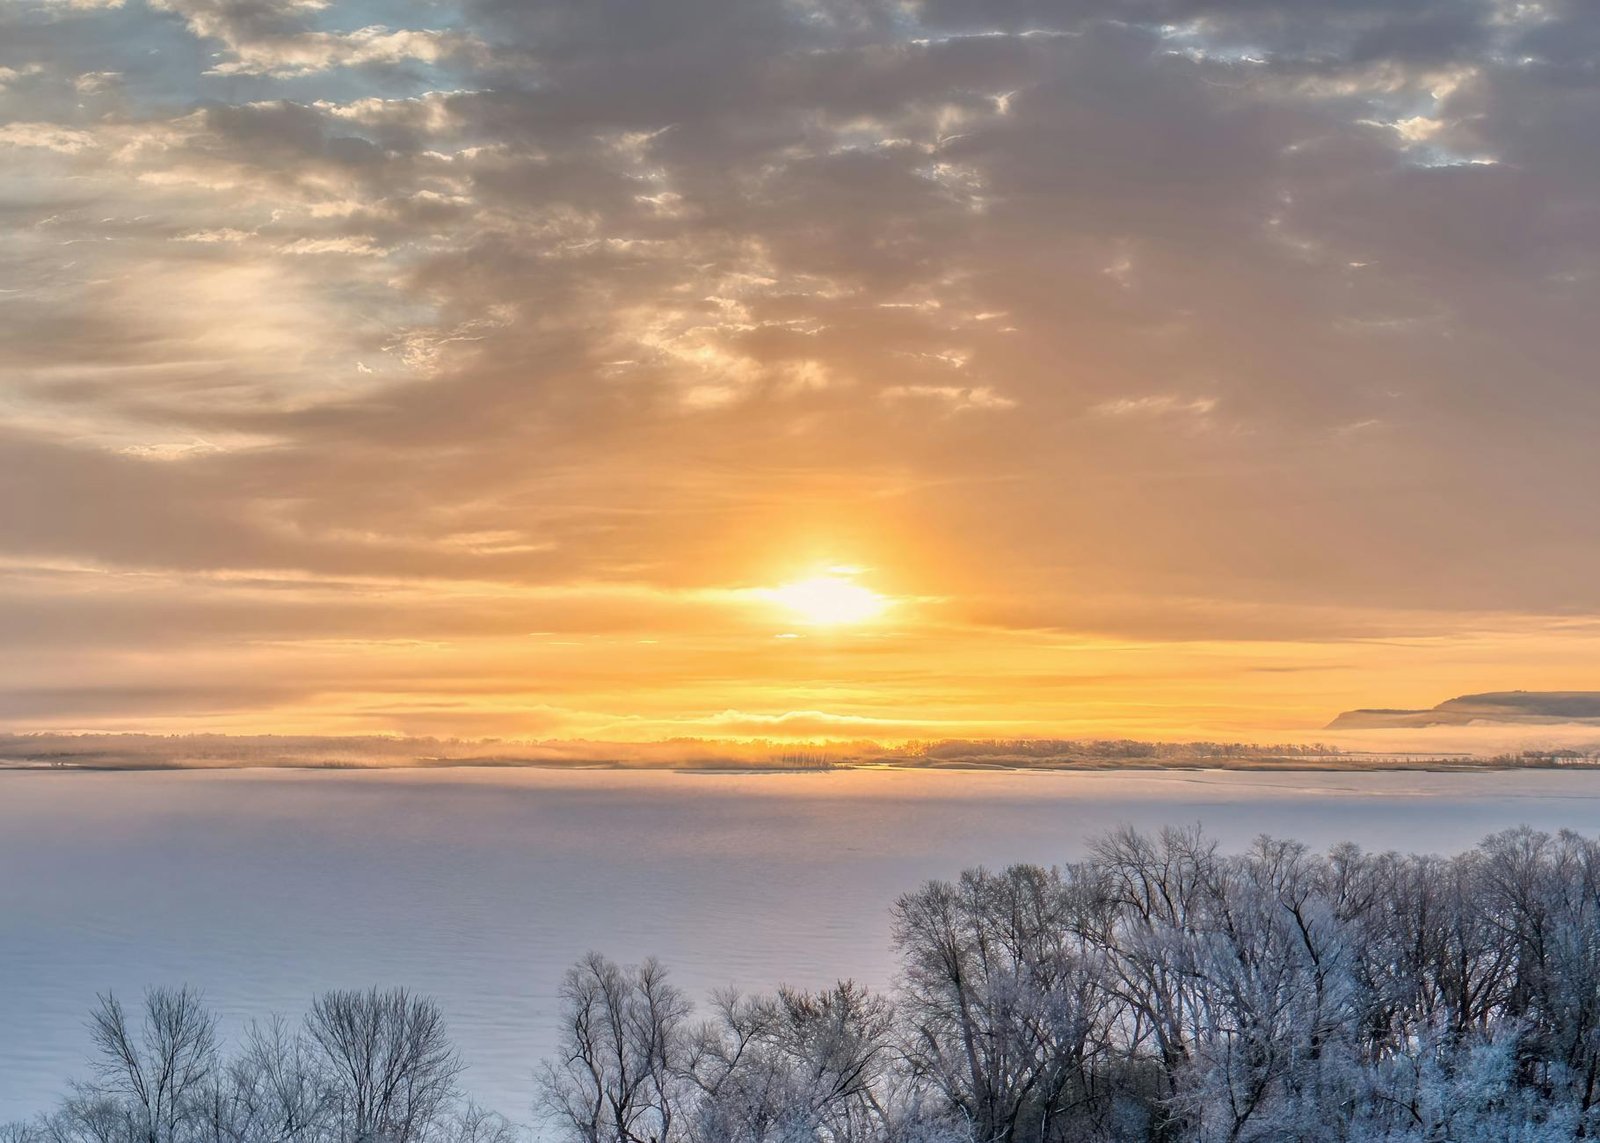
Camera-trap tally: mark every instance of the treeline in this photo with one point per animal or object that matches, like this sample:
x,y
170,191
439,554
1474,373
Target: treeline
x,y
1158,990
1544,759
148,751
1109,750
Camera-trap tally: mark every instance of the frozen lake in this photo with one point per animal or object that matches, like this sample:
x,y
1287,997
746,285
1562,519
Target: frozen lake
x,y
480,886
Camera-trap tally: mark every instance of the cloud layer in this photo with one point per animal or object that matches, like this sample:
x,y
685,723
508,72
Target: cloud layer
x,y
408,365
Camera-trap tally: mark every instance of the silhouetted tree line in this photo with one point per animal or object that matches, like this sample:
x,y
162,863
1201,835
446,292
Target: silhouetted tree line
x,y
1544,759
1158,990
1110,749
152,751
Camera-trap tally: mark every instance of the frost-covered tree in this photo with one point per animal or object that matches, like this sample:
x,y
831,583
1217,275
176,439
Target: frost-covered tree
x,y
791,1067
1442,1088
1004,1011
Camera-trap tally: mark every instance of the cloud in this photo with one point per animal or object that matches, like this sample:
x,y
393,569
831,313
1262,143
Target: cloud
x,y
1156,405
693,297
279,38
958,399
309,52
47,137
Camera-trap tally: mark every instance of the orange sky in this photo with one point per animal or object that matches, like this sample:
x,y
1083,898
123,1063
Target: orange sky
x,y
627,662
1166,368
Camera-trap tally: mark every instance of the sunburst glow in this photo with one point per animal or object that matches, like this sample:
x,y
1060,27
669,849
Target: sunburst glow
x,y
831,600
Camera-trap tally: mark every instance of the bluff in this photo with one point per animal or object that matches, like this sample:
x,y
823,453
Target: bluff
x,y
1494,708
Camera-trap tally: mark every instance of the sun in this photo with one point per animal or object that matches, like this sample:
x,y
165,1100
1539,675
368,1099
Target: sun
x,y
831,600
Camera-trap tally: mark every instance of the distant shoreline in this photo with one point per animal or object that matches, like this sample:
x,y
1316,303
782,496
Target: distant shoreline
x,y
1388,764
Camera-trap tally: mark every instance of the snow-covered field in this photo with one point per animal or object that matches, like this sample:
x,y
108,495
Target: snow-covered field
x,y
480,886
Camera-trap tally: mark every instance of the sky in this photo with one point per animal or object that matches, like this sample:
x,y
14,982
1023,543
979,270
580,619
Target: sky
x,y
628,369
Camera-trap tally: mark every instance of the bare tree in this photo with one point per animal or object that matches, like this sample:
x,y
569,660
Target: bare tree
x,y
276,1090
392,1068
152,1076
473,1124
621,1076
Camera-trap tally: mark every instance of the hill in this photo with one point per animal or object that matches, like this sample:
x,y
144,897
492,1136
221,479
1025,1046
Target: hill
x,y
1494,708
